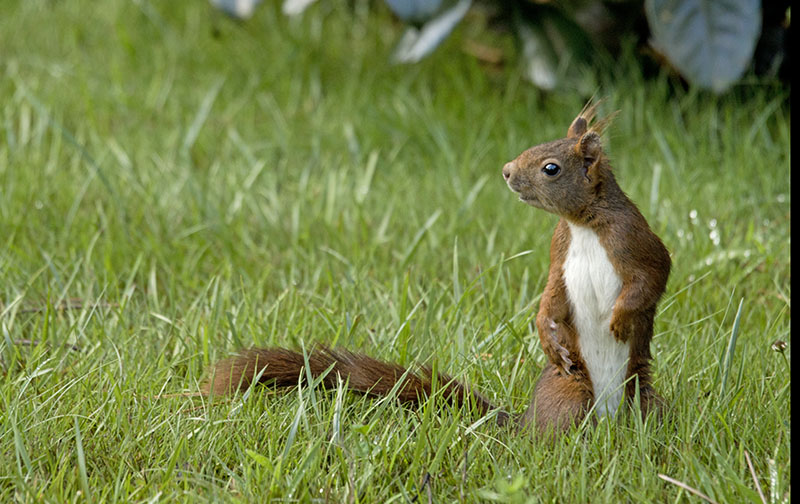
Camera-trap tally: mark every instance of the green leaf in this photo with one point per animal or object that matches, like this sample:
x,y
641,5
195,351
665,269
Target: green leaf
x,y
259,459
710,42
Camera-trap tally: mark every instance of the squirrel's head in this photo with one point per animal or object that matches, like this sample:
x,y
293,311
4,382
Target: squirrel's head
x,y
562,176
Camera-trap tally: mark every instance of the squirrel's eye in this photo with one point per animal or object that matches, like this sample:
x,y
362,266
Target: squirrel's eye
x,y
551,169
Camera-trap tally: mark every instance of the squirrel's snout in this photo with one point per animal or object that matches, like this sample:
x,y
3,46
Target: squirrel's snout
x,y
507,170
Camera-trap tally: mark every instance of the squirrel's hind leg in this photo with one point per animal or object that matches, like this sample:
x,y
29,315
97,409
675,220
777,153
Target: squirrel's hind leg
x,y
559,401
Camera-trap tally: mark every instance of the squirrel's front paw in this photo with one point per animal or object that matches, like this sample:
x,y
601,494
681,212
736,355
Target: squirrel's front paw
x,y
621,328
552,328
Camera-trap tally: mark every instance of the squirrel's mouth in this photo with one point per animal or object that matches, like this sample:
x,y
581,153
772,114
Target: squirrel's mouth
x,y
523,192
517,190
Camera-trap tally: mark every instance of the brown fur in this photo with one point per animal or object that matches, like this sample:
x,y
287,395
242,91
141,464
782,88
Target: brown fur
x,y
560,401
586,193
283,368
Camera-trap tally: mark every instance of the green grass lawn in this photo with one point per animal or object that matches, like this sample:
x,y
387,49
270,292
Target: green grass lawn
x,y
187,186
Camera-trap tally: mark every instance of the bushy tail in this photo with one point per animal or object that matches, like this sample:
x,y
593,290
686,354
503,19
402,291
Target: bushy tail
x,y
363,374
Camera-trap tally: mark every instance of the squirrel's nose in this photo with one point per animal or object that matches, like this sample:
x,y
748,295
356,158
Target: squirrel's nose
x,y
507,170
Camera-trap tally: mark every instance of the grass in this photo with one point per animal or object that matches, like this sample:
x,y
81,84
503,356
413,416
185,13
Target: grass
x,y
188,186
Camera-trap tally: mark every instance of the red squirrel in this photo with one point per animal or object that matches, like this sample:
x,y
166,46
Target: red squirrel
x,y
595,320
607,272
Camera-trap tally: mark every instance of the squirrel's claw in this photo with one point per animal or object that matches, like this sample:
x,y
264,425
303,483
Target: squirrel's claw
x,y
562,351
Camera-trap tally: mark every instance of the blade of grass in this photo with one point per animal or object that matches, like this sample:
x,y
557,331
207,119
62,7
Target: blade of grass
x,y
81,460
726,365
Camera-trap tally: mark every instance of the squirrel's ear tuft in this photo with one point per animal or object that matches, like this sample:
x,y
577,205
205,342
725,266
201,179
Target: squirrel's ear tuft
x,y
600,126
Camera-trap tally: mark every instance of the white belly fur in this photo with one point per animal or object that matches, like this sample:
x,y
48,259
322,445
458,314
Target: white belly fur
x,y
592,287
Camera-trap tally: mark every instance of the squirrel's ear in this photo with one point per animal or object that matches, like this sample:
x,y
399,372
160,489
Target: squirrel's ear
x,y
577,128
590,148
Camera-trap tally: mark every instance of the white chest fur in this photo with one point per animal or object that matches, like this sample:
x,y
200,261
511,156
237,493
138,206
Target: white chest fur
x,y
592,287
